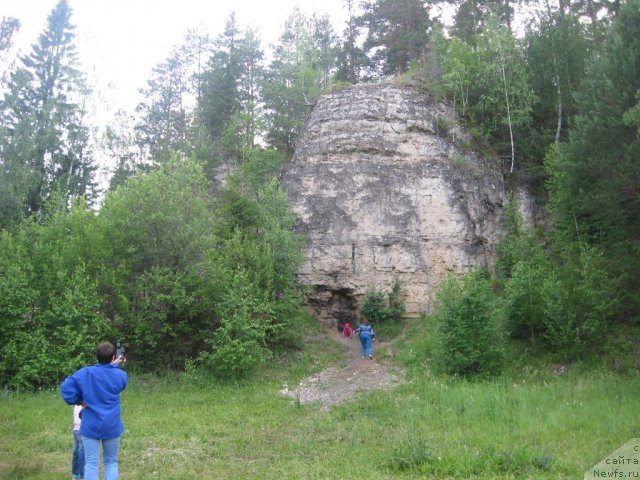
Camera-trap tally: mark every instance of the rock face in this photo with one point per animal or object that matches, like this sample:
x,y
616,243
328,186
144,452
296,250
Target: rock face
x,y
383,189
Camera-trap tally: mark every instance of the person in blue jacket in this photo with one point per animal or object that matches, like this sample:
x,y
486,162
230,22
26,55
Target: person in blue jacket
x,y
366,334
98,389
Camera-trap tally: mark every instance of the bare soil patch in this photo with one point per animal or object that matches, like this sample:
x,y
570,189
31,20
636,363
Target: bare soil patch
x,y
335,385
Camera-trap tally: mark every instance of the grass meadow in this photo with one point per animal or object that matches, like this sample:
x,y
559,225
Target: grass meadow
x,y
528,423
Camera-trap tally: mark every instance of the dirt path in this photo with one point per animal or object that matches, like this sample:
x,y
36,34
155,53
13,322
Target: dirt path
x,y
335,385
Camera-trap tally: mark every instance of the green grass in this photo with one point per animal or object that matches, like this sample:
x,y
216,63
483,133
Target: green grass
x,y
527,423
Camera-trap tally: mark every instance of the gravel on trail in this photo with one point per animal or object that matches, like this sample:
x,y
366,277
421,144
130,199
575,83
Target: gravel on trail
x,y
335,385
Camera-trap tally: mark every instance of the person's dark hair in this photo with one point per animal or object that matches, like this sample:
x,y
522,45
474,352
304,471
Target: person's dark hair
x,y
105,352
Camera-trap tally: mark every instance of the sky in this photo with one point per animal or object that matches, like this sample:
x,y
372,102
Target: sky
x,y
120,41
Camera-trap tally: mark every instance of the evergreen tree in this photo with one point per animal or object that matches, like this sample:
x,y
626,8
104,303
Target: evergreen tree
x,y
246,121
397,33
556,47
196,51
595,178
472,16
556,50
119,143
9,26
469,341
229,107
351,58
45,145
220,94
162,129
596,14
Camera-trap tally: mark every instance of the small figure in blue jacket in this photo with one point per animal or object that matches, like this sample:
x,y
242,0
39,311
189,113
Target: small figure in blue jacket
x,y
98,389
366,334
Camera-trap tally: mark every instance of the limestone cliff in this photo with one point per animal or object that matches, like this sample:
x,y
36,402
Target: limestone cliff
x,y
383,189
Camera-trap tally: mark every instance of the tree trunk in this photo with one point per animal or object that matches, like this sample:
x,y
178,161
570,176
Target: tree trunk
x,y
506,98
560,110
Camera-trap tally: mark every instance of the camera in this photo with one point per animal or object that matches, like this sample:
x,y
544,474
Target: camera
x,y
119,349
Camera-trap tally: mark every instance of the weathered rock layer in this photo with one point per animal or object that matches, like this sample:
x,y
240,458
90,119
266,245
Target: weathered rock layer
x,y
383,189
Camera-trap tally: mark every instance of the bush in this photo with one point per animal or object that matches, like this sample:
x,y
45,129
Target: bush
x,y
378,307
565,303
163,266
67,330
374,305
246,323
469,340
511,246
397,301
578,300
162,324
563,300
524,299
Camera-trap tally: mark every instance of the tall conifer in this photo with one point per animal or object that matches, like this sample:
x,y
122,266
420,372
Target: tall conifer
x,y
46,142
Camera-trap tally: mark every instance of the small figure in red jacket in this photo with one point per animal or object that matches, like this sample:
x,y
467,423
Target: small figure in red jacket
x,y
347,331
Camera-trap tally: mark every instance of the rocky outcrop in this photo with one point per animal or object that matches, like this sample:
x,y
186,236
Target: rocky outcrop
x,y
384,189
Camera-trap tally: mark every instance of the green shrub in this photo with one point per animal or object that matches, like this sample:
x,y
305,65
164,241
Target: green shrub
x,y
246,322
374,305
397,301
510,246
162,325
444,125
564,299
524,299
578,300
159,265
469,340
67,330
378,307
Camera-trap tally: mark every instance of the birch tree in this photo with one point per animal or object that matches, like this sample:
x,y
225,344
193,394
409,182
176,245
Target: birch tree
x,y
506,98
460,70
303,65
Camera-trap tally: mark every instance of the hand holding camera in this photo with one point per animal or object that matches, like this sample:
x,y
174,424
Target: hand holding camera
x,y
120,358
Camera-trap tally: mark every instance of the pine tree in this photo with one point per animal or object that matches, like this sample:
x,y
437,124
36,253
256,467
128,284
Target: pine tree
x,y
229,107
119,143
556,51
397,33
219,99
472,16
595,178
162,129
245,121
351,59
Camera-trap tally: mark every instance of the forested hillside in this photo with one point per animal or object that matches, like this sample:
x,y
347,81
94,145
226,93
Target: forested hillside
x,y
192,272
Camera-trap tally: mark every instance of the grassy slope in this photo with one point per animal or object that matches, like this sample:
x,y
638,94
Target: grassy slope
x,y
526,424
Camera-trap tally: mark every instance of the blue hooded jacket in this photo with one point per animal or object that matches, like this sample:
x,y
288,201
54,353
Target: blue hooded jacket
x,y
365,330
98,387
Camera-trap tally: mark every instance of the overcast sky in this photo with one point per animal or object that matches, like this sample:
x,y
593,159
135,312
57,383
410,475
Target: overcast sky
x,y
120,41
